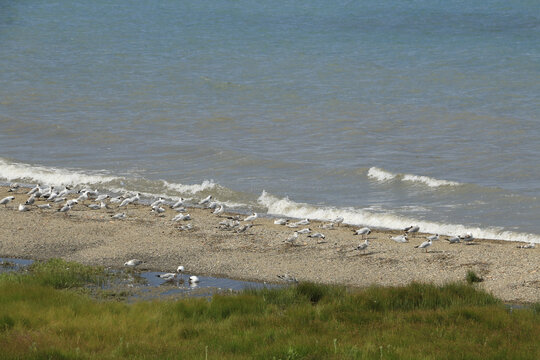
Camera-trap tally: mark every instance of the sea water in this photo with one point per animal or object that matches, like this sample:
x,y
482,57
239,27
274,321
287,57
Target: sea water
x,y
388,113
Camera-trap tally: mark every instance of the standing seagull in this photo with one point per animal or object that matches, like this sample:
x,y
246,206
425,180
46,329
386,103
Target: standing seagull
x,y
413,229
433,237
251,217
424,245
6,200
365,231
291,239
363,246
338,220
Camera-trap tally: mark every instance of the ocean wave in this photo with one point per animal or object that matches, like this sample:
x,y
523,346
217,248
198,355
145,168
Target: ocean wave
x,y
383,176
191,189
380,174
361,217
13,171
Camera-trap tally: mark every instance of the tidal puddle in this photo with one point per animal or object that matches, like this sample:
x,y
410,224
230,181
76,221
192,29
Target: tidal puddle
x,y
129,285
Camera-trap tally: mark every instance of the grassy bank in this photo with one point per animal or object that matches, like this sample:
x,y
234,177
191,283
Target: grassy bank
x,y
42,318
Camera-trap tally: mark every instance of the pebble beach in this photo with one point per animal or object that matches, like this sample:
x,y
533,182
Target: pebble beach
x,y
260,252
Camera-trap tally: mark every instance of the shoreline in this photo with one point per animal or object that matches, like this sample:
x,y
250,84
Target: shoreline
x,y
260,253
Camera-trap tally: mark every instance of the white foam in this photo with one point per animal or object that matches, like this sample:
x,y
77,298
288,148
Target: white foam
x,y
384,175
191,189
431,182
387,220
49,175
380,174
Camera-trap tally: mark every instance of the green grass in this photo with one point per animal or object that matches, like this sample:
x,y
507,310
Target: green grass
x,y
308,321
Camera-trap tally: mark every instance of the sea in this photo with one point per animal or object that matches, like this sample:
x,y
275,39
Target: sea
x,y
387,113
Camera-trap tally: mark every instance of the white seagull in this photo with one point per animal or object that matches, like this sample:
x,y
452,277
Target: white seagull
x,y
424,245
412,229
317,236
365,231
23,208
304,231
180,269
133,262
433,237
45,206
218,211
193,279
338,220
205,200
157,202
291,239
6,200
400,238
303,222
167,276
181,217
453,240
251,217
119,216
530,245
363,246
280,221
467,238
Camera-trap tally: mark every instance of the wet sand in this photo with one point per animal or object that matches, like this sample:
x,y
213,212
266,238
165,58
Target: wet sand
x,y
261,252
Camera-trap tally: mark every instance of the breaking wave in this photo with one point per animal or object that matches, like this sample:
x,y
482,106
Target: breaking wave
x,y
386,220
383,176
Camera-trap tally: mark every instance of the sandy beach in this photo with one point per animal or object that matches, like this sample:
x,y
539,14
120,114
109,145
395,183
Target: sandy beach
x,y
260,253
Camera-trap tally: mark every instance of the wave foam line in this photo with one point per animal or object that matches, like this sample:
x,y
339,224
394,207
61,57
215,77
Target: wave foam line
x,y
49,175
383,176
191,189
286,207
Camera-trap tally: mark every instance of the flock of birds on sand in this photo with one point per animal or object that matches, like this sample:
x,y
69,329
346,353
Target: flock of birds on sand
x,y
232,223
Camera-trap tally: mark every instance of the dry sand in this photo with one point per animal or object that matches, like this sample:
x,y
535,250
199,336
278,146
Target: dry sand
x,y
260,253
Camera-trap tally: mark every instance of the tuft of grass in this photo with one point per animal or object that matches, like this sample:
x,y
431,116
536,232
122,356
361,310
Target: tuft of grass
x,y
472,278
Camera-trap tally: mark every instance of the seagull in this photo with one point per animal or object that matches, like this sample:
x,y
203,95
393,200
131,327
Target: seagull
x,y
83,197
453,240
317,236
433,237
288,278
6,200
220,210
303,222
116,199
167,276
244,228
186,227
292,225
65,208
23,208
157,209
94,206
120,216
157,202
72,202
45,206
400,238
412,229
251,217
363,231
31,200
64,192
130,200
338,220
467,238
304,231
52,196
328,226
530,245
291,239
424,245
133,262
59,199
179,203
33,190
193,279
180,269
181,217
102,197
363,246
13,187
205,200
280,221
